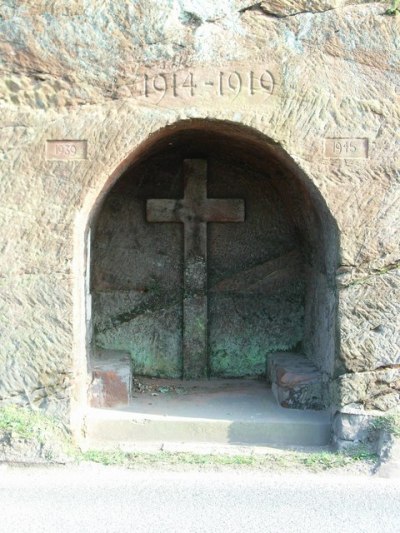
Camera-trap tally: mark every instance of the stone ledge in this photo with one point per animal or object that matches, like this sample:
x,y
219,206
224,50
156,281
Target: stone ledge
x,y
296,382
111,379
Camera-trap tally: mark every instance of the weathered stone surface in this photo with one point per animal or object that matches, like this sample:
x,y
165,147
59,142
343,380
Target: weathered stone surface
x,y
104,73
194,211
288,8
28,435
111,379
296,382
370,320
379,390
389,453
352,427
14,449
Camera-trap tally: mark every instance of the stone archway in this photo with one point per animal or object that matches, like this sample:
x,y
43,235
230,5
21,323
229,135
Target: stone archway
x,y
253,270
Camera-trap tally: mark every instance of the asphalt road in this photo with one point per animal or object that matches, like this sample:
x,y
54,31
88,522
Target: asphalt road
x,y
107,499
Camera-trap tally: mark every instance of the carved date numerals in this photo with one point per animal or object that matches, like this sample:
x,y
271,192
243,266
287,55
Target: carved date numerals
x,y
191,84
251,83
66,150
346,148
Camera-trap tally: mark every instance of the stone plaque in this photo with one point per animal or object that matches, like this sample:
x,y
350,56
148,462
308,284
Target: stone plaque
x,y
66,150
346,148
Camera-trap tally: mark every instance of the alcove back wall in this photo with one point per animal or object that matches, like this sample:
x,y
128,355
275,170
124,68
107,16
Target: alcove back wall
x,y
256,282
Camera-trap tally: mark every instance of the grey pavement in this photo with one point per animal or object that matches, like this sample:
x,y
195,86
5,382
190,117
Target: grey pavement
x,y
109,499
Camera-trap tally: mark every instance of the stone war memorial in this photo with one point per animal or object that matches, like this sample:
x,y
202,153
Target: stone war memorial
x,y
200,208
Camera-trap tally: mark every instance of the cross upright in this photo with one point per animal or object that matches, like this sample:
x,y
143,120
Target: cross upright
x,y
194,210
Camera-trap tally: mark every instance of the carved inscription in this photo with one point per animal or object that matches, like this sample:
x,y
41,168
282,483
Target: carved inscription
x,y
163,87
224,84
66,150
346,148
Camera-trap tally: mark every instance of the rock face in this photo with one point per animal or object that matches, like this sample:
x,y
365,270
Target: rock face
x,y
302,94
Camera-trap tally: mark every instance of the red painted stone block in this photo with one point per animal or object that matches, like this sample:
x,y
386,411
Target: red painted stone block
x,y
111,381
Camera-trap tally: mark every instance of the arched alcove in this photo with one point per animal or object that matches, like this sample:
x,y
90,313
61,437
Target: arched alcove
x,y
270,266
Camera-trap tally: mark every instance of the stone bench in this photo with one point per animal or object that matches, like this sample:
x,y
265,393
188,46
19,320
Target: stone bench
x,y
111,379
296,382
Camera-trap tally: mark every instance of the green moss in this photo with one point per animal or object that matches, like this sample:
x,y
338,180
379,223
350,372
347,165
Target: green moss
x,y
394,9
28,424
389,423
115,457
314,462
328,461
48,433
232,362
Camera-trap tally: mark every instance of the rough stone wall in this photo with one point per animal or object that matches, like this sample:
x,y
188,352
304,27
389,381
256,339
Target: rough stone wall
x,y
327,76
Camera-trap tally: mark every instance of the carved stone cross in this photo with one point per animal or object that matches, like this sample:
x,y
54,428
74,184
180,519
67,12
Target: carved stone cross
x,y
194,210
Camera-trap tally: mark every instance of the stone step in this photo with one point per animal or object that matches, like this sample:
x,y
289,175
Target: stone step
x,y
242,412
296,382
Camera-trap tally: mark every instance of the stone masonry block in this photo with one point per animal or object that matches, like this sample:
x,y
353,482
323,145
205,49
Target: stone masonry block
x,y
378,390
296,382
352,427
111,379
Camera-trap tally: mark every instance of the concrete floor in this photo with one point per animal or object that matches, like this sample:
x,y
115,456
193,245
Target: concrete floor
x,y
226,412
